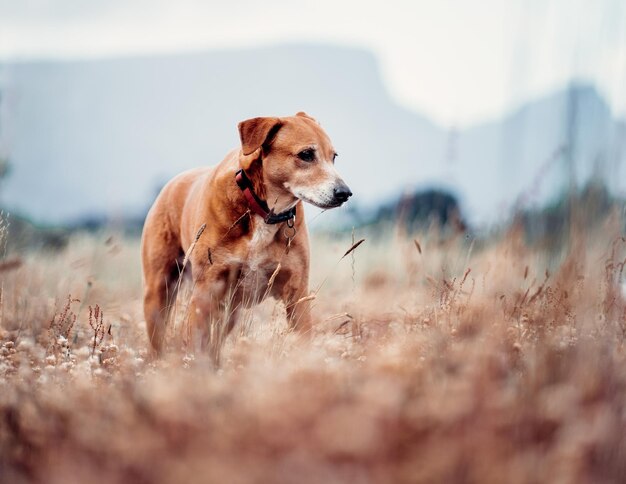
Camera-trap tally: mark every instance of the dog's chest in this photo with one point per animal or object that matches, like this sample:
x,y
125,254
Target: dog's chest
x,y
260,260
260,246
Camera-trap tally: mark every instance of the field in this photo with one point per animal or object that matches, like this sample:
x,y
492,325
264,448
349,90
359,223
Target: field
x,y
434,359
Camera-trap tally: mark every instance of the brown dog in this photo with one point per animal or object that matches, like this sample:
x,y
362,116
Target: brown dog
x,y
238,228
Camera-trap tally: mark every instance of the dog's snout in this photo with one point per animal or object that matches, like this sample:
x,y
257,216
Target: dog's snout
x,y
342,192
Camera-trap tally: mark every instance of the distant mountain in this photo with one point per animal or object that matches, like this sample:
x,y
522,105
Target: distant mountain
x,y
524,157
99,137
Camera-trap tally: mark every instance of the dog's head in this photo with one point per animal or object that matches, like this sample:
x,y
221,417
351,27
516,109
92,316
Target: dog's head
x,y
296,156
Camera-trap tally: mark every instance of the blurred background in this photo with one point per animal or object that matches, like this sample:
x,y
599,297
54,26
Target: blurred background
x,y
476,112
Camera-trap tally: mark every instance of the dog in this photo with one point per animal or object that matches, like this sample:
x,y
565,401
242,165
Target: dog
x,y
238,229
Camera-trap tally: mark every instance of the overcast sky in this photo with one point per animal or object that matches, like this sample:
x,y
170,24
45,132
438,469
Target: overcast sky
x,y
458,62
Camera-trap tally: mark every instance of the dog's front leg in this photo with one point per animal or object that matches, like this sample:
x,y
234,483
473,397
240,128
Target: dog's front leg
x,y
295,295
299,312
205,312
203,309
213,309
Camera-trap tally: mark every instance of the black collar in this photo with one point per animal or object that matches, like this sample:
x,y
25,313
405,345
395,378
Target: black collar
x,y
259,206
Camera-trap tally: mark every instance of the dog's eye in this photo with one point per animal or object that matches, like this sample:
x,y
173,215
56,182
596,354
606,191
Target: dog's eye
x,y
334,156
307,155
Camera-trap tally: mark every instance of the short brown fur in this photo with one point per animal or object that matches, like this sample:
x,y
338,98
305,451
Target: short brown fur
x,y
237,252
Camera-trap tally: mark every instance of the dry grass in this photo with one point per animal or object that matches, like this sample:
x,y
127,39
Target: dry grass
x,y
432,362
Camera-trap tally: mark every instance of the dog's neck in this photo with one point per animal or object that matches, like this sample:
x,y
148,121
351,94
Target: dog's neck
x,y
278,199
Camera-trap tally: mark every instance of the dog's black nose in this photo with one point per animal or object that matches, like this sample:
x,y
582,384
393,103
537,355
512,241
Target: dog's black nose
x,y
342,193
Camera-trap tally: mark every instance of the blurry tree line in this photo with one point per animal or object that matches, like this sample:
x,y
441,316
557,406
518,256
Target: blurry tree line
x,y
413,212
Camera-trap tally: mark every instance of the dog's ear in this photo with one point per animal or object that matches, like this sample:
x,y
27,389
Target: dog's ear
x,y
256,132
302,114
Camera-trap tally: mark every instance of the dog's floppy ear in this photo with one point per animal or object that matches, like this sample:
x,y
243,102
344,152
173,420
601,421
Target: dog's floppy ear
x,y
255,132
302,114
